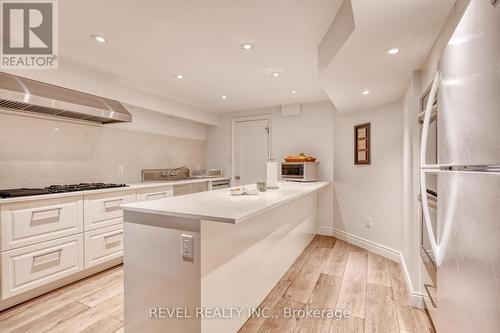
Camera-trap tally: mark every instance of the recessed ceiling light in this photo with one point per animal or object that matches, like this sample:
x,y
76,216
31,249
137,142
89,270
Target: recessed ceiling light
x,y
179,76
293,91
246,46
366,92
393,50
223,97
276,74
98,38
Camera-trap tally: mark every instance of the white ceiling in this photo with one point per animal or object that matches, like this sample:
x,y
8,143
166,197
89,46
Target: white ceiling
x,y
150,41
361,64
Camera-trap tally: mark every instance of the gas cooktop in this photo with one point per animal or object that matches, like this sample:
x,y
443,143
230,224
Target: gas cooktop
x,y
21,192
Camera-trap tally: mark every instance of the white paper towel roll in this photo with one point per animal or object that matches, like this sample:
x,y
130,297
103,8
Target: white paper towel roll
x,y
272,174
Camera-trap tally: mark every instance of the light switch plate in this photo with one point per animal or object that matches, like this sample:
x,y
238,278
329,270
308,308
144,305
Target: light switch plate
x,y
187,247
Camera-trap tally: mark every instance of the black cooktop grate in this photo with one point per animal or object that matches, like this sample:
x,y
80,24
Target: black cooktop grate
x,y
21,192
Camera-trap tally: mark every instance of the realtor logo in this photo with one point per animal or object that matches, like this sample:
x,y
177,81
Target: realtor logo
x,y
29,34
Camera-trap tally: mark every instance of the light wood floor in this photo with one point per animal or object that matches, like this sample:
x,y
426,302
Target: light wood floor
x,y
332,274
94,304
328,274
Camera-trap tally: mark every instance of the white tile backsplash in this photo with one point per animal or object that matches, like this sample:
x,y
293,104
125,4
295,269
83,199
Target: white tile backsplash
x,y
40,152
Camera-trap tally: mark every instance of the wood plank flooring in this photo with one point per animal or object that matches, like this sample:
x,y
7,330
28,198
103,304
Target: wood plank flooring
x,y
332,274
94,304
329,274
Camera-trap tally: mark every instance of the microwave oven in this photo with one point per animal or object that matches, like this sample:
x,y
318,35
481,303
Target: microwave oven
x,y
300,171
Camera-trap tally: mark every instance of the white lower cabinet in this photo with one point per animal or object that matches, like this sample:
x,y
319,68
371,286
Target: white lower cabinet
x,y
31,222
35,265
103,244
103,209
42,241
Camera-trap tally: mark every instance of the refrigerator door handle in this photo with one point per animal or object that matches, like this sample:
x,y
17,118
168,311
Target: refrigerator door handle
x,y
426,123
427,217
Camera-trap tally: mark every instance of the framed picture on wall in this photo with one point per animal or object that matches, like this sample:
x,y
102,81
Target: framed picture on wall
x,y
362,144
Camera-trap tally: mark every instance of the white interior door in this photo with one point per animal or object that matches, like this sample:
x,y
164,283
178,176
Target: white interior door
x,y
250,150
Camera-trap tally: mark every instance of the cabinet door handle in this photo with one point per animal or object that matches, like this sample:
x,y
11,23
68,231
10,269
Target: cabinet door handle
x,y
48,257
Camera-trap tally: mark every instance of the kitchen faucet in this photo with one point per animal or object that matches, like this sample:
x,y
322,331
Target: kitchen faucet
x,y
173,172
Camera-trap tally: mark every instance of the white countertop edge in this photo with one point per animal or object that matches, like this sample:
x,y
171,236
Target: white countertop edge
x,y
130,187
238,219
181,215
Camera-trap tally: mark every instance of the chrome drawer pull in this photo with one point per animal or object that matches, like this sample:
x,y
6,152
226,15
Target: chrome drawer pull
x,y
108,202
108,238
57,210
48,254
153,196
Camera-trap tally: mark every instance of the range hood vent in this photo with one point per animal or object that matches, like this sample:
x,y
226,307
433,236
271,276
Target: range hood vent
x,y
20,94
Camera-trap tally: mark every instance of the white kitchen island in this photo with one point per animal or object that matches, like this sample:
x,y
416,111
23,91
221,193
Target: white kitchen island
x,y
243,245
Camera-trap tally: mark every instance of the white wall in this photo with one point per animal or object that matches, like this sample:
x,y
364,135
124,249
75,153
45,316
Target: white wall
x,y
370,190
311,133
39,151
75,76
157,123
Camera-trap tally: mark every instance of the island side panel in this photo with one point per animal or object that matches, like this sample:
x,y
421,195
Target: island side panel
x,y
156,275
241,263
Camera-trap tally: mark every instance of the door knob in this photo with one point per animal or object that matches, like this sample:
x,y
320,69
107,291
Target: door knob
x,y
237,177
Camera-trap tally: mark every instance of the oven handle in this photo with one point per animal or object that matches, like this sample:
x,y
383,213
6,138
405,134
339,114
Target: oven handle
x,y
421,115
427,217
426,124
430,201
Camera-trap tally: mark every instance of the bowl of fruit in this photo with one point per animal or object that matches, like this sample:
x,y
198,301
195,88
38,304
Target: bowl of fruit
x,y
300,158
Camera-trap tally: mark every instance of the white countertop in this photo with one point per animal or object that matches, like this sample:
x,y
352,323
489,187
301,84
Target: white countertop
x,y
221,206
130,187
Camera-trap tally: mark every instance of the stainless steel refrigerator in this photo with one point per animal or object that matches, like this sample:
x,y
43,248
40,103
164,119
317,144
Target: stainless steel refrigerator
x,y
461,239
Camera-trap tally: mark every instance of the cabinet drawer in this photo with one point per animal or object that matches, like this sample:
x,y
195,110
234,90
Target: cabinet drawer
x,y
27,223
30,267
103,245
155,193
102,210
199,187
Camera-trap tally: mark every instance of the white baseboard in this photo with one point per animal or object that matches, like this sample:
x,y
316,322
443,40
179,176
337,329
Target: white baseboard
x,y
382,250
366,244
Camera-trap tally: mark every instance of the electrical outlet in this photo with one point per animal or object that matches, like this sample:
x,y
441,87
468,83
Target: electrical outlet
x,y
187,247
368,222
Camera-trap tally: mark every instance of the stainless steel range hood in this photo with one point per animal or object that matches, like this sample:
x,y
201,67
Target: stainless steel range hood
x,y
21,94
